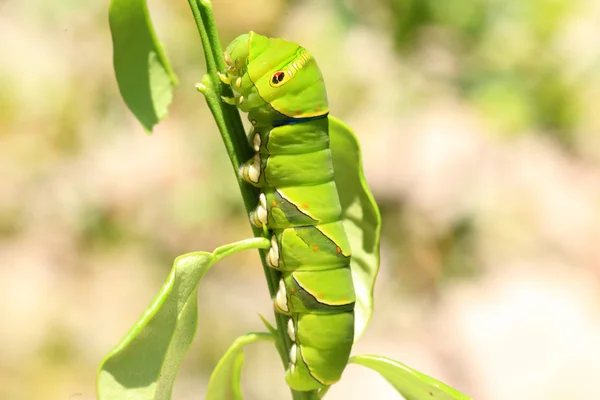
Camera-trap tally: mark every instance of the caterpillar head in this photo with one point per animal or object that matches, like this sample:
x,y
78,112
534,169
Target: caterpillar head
x,y
237,54
275,73
242,50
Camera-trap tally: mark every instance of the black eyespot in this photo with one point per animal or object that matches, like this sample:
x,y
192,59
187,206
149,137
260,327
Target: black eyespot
x,y
277,77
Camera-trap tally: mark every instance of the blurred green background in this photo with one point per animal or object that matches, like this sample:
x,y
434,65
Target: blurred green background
x,y
481,135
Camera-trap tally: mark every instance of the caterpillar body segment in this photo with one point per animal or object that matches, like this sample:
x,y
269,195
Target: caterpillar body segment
x,y
289,169
280,86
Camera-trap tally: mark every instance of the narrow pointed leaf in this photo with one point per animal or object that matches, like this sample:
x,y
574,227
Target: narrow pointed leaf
x,y
143,73
144,364
278,341
360,216
224,382
411,384
268,325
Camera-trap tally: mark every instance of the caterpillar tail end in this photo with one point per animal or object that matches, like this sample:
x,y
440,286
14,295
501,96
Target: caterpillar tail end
x,y
298,378
322,344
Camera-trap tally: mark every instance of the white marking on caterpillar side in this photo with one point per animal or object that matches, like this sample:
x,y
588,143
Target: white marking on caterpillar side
x,y
241,100
256,142
259,217
289,72
273,256
293,354
254,169
292,368
290,329
281,297
263,200
296,66
253,122
238,82
261,210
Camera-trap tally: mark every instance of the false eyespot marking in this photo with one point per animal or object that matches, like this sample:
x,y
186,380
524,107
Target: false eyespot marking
x,y
277,78
280,78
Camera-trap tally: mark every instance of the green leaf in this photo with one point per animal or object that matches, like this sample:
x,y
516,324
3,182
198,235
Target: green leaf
x,y
144,364
360,216
411,384
144,75
224,382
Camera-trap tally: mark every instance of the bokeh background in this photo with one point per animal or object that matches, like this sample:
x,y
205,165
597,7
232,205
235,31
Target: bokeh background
x,y
480,126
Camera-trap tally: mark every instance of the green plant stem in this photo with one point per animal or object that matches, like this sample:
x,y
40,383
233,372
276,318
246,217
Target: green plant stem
x,y
232,132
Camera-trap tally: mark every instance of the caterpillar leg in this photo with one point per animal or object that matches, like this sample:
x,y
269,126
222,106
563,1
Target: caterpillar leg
x,y
229,100
273,255
259,216
251,170
224,78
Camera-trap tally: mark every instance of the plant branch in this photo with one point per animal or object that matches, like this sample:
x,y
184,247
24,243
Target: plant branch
x,y
232,132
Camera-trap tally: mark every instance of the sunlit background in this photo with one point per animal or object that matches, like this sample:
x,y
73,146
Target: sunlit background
x,y
480,127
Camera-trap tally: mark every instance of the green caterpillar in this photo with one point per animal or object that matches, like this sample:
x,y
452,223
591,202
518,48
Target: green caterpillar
x,y
281,87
